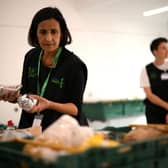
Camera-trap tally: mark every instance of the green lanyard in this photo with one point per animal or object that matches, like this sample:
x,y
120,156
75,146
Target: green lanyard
x,y
43,88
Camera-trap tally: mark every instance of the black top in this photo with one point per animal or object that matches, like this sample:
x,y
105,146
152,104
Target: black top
x,y
158,86
66,84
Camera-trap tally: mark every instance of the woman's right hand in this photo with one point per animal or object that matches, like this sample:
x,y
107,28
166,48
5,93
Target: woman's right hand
x,y
10,93
10,97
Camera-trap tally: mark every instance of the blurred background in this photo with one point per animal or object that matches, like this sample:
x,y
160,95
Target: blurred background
x,y
111,36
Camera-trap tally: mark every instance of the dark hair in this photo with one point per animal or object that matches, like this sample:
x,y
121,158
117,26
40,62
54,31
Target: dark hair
x,y
156,42
45,14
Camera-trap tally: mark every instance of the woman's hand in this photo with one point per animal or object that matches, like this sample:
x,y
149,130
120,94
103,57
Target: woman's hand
x,y
10,97
42,104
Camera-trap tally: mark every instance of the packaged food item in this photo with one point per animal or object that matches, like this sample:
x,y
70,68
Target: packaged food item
x,y
4,89
26,102
10,125
64,137
144,132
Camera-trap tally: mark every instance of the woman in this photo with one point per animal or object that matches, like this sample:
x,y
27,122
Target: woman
x,y
52,74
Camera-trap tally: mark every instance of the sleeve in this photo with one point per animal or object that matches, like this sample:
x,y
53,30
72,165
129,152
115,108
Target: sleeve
x,y
78,84
24,78
144,80
26,119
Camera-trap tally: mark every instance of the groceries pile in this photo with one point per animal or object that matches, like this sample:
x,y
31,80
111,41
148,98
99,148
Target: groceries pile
x,y
66,142
64,137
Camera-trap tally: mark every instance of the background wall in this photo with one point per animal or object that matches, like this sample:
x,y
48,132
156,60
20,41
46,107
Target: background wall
x,y
111,36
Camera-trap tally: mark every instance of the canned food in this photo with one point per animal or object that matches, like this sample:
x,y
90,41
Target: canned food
x,y
26,102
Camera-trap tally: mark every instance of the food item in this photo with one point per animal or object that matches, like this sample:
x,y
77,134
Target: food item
x,y
5,89
65,131
26,102
65,136
143,133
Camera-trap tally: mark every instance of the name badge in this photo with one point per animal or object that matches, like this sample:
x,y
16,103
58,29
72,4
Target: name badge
x,y
164,76
37,120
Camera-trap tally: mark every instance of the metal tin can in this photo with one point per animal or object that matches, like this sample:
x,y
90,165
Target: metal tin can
x,y
26,102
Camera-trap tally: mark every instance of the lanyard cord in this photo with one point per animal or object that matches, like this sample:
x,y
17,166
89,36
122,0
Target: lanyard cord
x,y
44,85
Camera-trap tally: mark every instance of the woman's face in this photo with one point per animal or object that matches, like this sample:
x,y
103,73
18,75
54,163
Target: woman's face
x,y
49,35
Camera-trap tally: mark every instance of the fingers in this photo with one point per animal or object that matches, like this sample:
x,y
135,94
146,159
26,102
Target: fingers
x,y
9,96
34,96
40,105
35,109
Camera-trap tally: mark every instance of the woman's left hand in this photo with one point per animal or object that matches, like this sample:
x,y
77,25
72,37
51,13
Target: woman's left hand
x,y
42,104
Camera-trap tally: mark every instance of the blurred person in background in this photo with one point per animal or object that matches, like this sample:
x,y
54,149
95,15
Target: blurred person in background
x,y
154,81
